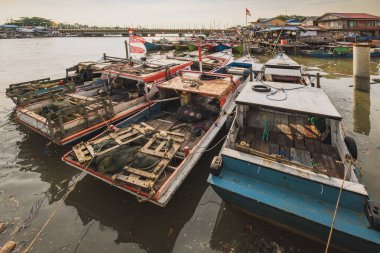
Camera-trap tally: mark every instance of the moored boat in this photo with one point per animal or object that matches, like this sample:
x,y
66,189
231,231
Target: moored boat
x,y
152,152
210,62
281,68
256,49
150,46
287,160
36,90
237,49
222,46
192,46
124,89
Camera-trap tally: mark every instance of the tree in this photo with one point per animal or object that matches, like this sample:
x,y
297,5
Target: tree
x,y
33,21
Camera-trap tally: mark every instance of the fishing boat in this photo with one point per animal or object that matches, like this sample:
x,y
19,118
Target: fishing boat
x,y
192,46
222,46
256,49
210,47
150,46
281,68
36,90
151,153
335,52
181,45
210,62
122,90
288,161
237,49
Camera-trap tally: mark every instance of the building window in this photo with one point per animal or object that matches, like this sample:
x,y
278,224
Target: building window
x,y
351,23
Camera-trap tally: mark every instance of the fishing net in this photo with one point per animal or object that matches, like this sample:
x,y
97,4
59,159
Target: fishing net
x,y
191,113
54,107
115,160
144,161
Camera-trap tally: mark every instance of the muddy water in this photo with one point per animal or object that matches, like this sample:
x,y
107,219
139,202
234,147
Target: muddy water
x,y
98,218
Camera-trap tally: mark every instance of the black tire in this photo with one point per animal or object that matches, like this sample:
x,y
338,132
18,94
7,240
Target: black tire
x,y
351,146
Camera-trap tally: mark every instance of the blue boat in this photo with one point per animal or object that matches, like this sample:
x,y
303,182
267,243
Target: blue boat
x,y
152,46
221,47
287,160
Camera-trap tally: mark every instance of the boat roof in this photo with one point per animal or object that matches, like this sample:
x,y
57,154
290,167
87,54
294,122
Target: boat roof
x,y
294,99
191,82
282,60
283,72
144,70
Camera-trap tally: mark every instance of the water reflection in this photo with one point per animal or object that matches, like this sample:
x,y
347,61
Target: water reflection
x,y
254,235
362,110
153,228
36,155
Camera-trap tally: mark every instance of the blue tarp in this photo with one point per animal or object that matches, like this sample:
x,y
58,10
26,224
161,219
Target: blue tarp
x,y
9,26
286,28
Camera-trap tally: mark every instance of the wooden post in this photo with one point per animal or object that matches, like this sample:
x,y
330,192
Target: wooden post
x,y
104,56
250,75
318,80
126,49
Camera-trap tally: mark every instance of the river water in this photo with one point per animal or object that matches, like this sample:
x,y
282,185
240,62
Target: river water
x,y
98,218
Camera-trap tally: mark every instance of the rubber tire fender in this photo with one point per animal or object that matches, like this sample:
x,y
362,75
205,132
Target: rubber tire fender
x,y
351,146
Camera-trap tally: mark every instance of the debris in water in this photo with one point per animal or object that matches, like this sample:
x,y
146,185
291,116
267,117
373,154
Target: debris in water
x,y
3,226
277,248
8,247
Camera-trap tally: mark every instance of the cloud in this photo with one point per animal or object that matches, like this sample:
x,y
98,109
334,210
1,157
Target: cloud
x,y
174,12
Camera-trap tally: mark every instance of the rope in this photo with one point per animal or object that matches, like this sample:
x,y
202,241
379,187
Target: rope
x,y
337,206
70,189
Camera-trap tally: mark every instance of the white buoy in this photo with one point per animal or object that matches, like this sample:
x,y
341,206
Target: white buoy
x,y
361,66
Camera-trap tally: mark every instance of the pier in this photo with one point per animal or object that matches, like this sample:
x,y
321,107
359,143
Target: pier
x,y
141,31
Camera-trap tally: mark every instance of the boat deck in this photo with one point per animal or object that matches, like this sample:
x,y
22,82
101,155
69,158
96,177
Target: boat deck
x,y
143,156
291,137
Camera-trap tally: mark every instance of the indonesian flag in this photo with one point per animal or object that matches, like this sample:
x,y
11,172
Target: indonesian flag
x,y
136,39
247,12
136,50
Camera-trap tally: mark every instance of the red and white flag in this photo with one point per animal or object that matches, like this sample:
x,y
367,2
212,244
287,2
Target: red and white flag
x,y
247,12
136,39
136,50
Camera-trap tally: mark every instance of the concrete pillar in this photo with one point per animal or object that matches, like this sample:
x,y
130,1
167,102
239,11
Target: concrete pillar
x,y
361,112
361,67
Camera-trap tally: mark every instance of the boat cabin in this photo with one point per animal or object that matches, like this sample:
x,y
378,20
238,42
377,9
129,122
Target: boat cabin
x,y
281,68
297,127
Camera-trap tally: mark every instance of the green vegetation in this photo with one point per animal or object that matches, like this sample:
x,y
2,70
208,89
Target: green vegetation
x,y
33,21
286,17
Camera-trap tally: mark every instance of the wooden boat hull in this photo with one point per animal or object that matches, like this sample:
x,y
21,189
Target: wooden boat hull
x,y
238,49
166,47
210,47
222,47
257,50
180,47
192,47
151,46
164,196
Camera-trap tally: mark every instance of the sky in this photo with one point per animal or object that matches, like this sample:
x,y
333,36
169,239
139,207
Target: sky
x,y
174,13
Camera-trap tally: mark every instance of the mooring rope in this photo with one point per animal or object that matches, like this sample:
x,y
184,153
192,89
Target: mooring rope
x,y
70,189
350,161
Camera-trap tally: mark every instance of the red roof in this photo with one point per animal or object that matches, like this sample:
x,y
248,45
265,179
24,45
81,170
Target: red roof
x,y
353,15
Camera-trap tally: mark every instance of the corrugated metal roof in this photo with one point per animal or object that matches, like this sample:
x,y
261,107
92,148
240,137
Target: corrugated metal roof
x,y
286,28
352,15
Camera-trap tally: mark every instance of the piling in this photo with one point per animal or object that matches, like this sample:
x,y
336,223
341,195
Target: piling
x,y
361,67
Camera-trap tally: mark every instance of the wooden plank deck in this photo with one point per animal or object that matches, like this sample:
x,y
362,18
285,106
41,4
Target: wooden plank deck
x,y
294,138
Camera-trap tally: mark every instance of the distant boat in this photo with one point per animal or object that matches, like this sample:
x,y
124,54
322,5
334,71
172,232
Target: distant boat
x,y
256,49
237,49
192,46
335,52
221,47
151,46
